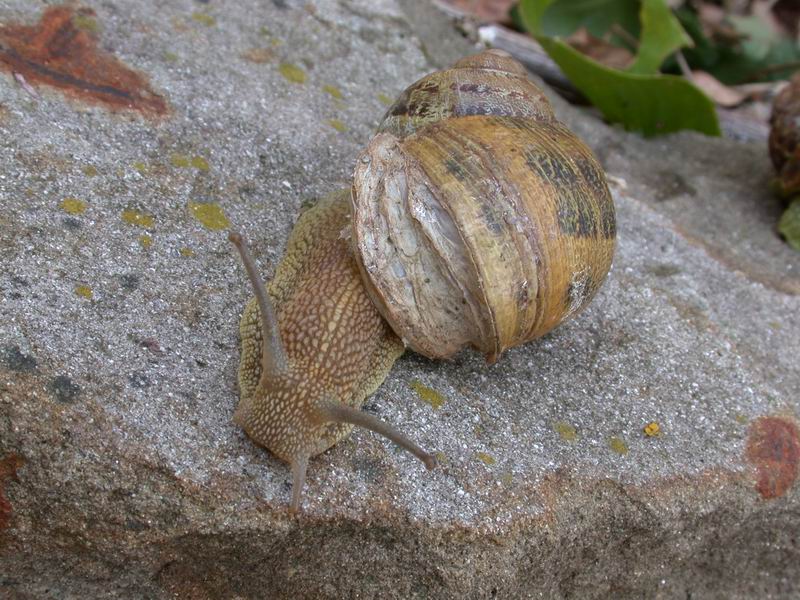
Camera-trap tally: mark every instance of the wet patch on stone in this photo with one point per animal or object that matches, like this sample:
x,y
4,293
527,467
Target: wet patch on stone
x,y
129,281
668,185
16,360
64,390
139,380
773,449
152,345
61,51
664,270
374,471
71,223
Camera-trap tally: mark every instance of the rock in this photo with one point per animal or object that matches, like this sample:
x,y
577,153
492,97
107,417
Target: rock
x,y
647,448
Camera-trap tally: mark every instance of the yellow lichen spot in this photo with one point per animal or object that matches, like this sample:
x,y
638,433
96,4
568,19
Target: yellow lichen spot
x,y
146,241
84,291
426,394
292,73
86,23
210,215
333,91
204,19
741,418
171,57
90,171
337,125
485,458
179,160
185,251
652,429
618,445
441,458
73,206
134,217
566,432
140,167
507,478
198,162
385,100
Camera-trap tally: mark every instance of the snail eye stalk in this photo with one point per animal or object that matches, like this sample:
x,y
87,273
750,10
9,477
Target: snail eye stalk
x,y
273,356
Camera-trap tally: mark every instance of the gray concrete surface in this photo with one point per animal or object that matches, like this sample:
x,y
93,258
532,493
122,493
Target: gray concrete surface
x,y
121,473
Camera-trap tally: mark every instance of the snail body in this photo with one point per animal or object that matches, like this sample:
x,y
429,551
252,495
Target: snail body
x,y
326,347
475,219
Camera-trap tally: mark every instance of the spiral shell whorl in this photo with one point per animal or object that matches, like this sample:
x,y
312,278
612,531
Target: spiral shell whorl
x,y
490,83
480,220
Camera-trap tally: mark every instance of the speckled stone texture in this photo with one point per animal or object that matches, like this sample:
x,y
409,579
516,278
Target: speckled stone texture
x,y
121,473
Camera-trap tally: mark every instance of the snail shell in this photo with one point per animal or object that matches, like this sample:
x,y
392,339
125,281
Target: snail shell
x,y
478,218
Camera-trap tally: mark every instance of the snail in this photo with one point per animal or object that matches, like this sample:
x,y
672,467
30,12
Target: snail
x,y
475,218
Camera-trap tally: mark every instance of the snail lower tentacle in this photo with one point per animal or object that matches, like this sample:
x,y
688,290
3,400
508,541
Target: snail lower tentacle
x,y
340,413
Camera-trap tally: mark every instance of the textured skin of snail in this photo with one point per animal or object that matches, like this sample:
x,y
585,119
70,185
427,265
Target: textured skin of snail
x,y
475,219
336,342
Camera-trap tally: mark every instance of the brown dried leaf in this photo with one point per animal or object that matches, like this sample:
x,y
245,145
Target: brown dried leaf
x,y
600,50
713,20
787,12
763,11
720,93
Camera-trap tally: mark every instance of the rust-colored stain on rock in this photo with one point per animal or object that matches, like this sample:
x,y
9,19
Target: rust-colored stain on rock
x,y
8,470
60,53
773,448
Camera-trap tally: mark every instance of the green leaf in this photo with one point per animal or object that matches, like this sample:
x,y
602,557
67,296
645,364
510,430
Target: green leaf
x,y
702,53
563,17
755,59
652,104
789,225
759,37
662,35
532,12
